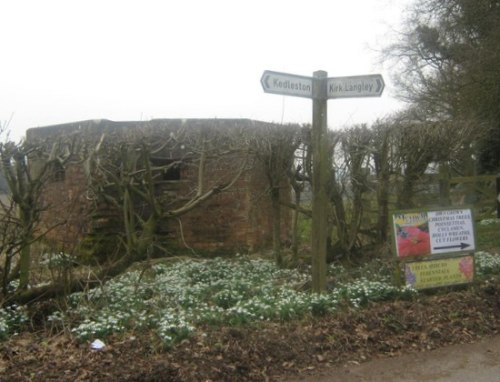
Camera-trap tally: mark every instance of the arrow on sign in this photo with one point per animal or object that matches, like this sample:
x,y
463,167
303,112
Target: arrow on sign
x,y
286,84
371,85
461,246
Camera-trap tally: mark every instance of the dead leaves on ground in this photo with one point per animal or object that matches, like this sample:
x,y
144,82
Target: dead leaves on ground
x,y
264,351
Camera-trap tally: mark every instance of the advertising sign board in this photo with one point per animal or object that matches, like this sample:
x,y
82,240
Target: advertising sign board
x,y
441,272
436,247
433,232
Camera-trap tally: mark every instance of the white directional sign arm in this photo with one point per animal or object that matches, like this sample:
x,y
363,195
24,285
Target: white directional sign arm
x,y
286,84
356,86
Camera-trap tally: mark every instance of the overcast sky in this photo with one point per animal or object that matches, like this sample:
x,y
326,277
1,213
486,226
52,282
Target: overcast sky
x,y
71,60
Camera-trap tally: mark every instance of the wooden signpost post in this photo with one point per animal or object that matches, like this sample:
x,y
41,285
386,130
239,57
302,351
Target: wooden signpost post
x,y
320,88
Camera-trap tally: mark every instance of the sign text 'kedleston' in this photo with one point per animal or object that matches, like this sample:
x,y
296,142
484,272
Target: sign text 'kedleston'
x,y
286,84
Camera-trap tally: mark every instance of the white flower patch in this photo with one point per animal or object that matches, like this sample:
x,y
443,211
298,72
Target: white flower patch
x,y
11,319
172,300
487,263
489,221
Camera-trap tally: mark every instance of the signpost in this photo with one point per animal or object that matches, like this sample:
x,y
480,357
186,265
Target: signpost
x,y
320,88
321,167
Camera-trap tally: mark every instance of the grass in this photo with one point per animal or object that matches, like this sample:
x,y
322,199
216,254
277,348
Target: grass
x,y
487,235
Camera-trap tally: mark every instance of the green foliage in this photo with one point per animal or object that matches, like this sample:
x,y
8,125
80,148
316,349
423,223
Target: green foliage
x,y
175,300
57,260
487,236
362,291
98,247
374,270
304,229
12,318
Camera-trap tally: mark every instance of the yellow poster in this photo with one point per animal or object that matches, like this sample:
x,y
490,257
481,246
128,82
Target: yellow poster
x,y
438,273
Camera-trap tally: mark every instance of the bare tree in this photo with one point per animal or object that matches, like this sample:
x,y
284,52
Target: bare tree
x,y
26,167
446,64
126,172
382,163
349,182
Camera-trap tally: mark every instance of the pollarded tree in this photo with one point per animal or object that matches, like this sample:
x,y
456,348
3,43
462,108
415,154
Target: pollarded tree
x,y
405,145
27,167
349,182
129,172
382,149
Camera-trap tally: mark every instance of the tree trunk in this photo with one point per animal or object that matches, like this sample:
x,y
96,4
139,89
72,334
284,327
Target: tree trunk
x,y
383,208
25,253
444,185
295,225
276,208
405,197
381,159
339,214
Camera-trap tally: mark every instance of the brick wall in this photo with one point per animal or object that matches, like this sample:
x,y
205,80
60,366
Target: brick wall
x,y
67,208
235,220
